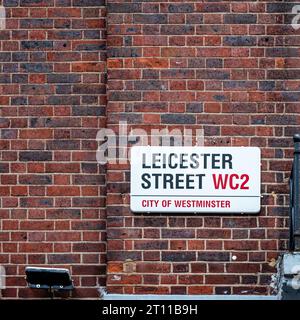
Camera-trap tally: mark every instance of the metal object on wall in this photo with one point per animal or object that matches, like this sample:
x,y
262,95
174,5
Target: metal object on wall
x,y
289,283
295,198
49,278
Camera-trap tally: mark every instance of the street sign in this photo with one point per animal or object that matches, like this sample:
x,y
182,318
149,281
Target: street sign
x,y
195,179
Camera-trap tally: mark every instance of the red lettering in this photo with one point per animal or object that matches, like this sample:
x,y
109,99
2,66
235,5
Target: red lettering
x,y
218,181
231,185
246,180
222,181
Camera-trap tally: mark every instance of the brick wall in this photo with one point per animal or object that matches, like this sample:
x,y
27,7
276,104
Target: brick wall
x,y
229,67
53,102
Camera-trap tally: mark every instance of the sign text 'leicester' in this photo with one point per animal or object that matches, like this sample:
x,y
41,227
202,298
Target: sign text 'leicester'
x,y
195,179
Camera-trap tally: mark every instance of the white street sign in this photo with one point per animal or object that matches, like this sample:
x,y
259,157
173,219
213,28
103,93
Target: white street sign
x,y
195,179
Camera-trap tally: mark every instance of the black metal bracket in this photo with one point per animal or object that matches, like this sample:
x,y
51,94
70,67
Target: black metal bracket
x,y
295,198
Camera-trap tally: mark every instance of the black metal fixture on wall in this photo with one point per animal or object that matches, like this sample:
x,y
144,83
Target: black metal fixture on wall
x,y
51,279
294,244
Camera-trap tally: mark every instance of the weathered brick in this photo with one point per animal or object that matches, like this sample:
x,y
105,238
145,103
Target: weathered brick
x,y
181,8
150,18
178,256
227,67
35,156
36,45
178,119
240,41
240,18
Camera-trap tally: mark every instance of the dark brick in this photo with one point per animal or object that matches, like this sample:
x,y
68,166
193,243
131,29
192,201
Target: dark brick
x,y
66,34
124,7
177,29
89,179
36,45
9,134
36,23
181,8
88,111
178,233
88,3
63,258
63,89
240,85
35,156
178,119
267,85
90,46
19,56
240,41
153,222
124,52
89,89
282,52
125,96
19,101
240,18
213,256
281,7
178,256
212,74
19,78
177,74
5,78
150,18
215,7
10,3
283,74
214,63
41,89
36,3
35,179
281,119
149,85
63,100
132,117
37,67
63,145
124,255
194,107
5,57
4,167
36,202
291,96
89,167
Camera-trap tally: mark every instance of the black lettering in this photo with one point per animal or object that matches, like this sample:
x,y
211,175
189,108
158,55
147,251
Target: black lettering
x,y
215,161
189,181
168,178
200,179
227,159
145,162
147,183
183,161
156,176
155,160
171,164
194,161
205,156
179,181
